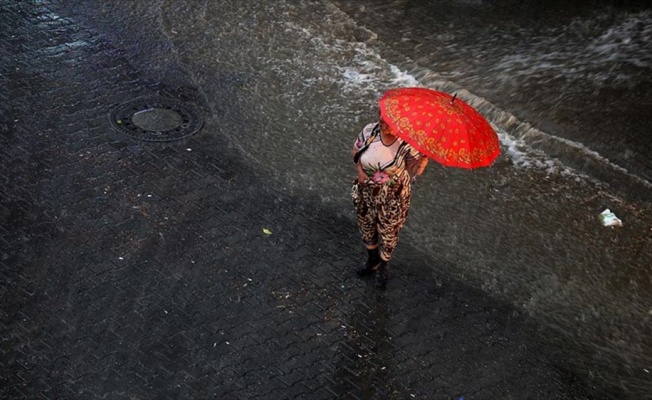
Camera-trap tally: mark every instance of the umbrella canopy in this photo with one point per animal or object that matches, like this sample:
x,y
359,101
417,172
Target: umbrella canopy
x,y
440,126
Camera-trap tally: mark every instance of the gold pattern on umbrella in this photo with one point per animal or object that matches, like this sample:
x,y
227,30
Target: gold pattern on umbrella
x,y
441,127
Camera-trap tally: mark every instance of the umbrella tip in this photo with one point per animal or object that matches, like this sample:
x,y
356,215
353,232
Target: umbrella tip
x,y
454,97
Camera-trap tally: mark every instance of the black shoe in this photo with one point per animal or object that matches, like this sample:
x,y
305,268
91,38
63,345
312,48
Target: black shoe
x,y
365,270
382,274
368,268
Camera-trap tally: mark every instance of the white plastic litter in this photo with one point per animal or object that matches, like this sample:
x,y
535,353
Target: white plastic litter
x,y
609,219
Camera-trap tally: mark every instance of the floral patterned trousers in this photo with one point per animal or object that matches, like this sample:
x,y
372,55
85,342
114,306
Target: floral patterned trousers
x,y
381,211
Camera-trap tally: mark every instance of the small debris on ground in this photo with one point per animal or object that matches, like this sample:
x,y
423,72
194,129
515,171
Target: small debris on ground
x,y
609,219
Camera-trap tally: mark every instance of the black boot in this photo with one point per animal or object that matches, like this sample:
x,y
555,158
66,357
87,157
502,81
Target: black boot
x,y
368,268
382,273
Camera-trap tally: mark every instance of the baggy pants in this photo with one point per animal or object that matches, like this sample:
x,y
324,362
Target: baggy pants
x,y
381,211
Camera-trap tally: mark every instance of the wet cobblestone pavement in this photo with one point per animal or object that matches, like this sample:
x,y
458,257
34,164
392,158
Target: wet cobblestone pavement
x,y
133,270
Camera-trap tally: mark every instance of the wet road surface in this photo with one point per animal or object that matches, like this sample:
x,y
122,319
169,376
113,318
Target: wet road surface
x,y
136,269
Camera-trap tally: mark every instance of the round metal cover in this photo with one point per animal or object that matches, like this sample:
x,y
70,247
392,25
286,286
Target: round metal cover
x,y
156,120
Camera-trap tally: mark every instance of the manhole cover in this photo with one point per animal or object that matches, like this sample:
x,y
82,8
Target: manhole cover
x,y
156,120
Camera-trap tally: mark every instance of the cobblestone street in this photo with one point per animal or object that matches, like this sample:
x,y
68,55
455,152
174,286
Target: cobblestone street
x,y
180,270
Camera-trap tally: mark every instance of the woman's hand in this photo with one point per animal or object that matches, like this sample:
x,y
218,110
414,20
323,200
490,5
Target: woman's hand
x,y
422,166
362,176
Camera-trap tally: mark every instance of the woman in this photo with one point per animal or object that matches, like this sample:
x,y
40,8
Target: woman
x,y
386,166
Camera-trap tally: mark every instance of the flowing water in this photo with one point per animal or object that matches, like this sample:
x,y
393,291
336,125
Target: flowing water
x,y
290,83
580,70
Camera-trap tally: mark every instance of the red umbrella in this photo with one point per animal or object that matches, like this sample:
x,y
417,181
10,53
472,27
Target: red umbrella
x,y
440,126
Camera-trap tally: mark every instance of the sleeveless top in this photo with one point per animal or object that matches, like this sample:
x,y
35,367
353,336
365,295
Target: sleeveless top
x,y
384,163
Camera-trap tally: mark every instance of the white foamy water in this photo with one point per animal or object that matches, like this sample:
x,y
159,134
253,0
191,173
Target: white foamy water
x,y
622,42
371,72
564,53
577,70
